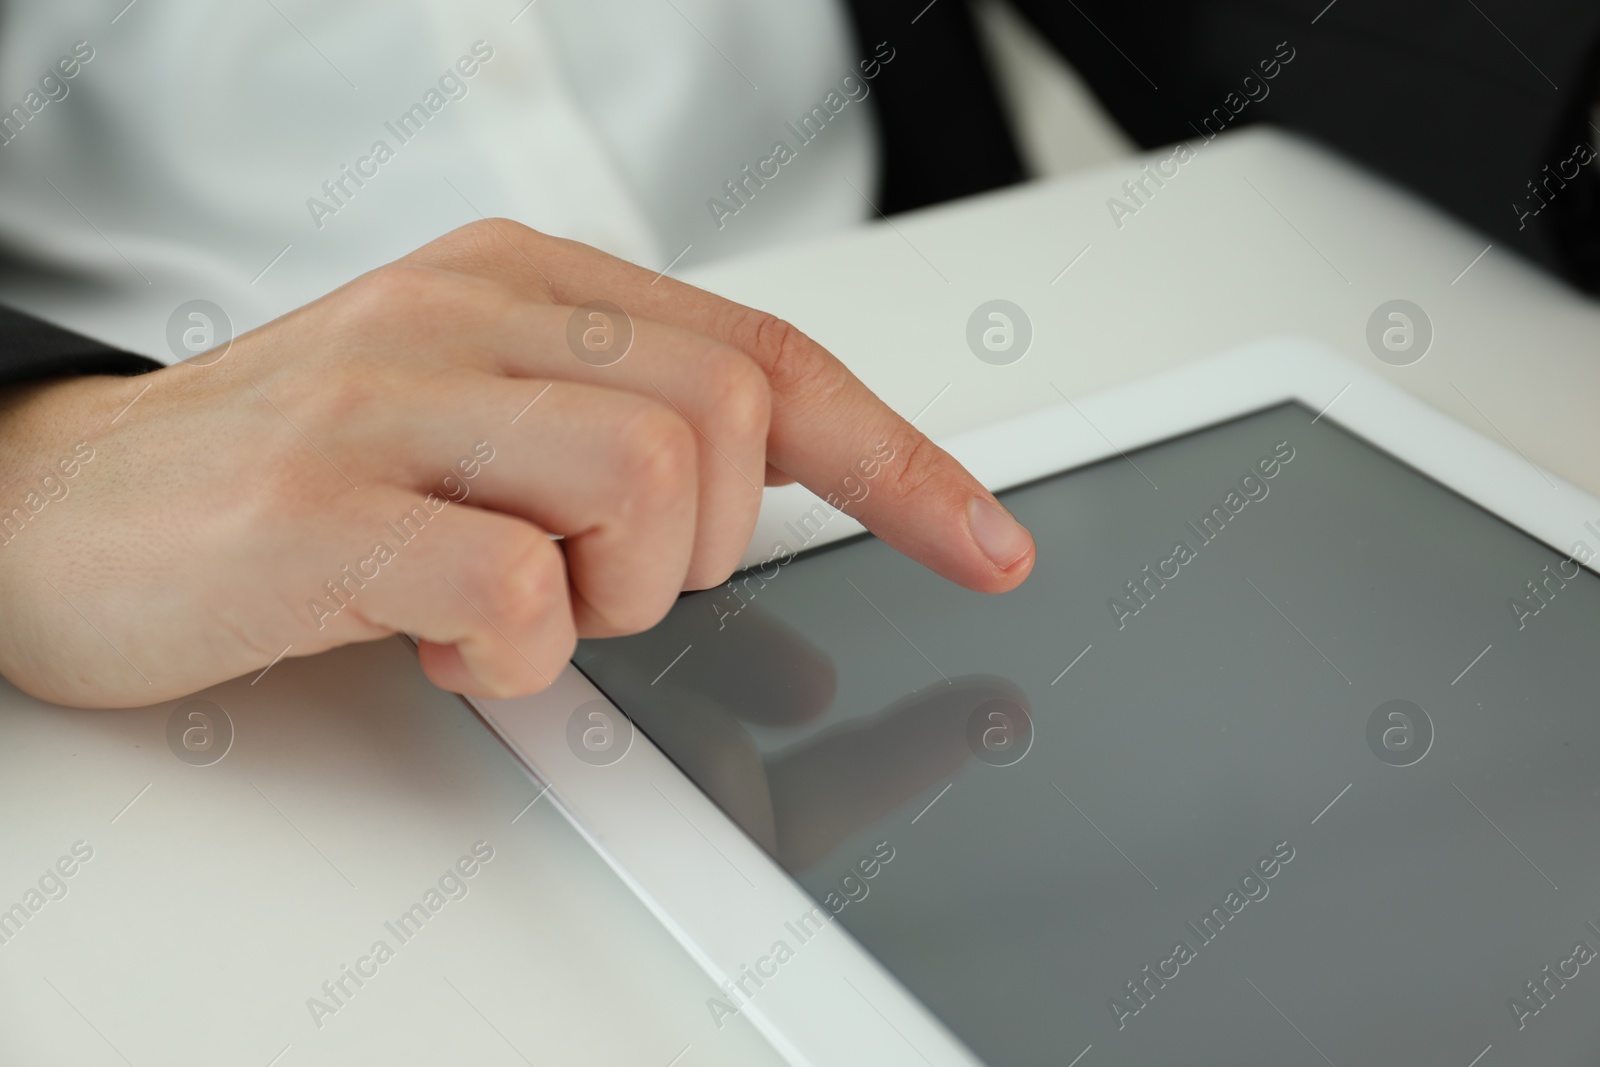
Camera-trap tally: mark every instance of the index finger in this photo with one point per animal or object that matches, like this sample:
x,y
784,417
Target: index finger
x,y
825,423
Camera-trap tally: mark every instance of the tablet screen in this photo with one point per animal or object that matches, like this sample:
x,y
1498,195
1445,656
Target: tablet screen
x,y
1283,754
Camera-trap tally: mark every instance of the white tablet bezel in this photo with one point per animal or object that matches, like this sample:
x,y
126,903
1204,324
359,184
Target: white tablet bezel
x,y
727,902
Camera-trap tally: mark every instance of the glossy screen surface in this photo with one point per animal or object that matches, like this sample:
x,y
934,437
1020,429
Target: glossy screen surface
x,y
1320,786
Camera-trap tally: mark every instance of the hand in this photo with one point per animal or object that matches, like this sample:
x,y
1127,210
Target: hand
x,y
403,454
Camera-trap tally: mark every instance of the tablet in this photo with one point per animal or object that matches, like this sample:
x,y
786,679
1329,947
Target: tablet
x,y
1284,753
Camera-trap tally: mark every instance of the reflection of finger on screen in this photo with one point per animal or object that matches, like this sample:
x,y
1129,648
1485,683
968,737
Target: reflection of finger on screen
x,y
752,664
834,784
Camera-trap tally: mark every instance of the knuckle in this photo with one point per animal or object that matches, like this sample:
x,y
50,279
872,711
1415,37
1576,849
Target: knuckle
x,y
406,308
395,285
522,582
659,454
638,613
795,365
741,399
916,465
509,227
497,247
394,303
486,238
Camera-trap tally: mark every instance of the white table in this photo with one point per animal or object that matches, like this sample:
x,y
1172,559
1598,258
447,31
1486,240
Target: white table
x,y
1260,234
220,898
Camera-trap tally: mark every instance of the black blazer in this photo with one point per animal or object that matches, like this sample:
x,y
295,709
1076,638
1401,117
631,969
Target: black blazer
x,y
31,348
1482,106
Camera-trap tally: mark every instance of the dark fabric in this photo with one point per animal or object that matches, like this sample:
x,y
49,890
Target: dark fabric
x,y
1466,103
31,348
943,132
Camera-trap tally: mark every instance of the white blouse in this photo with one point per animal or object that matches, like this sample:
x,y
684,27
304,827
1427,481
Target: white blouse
x,y
258,154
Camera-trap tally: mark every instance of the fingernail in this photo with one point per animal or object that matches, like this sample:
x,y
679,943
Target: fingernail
x,y
1000,536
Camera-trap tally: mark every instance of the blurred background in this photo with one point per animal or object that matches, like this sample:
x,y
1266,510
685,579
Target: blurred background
x,y
231,153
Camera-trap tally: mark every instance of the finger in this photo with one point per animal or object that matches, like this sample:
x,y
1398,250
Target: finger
x,y
486,593
825,423
480,324
615,473
716,389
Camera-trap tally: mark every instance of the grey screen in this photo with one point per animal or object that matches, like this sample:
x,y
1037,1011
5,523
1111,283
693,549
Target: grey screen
x,y
1320,789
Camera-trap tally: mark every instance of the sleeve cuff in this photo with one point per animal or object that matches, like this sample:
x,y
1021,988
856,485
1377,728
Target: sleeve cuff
x,y
31,349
